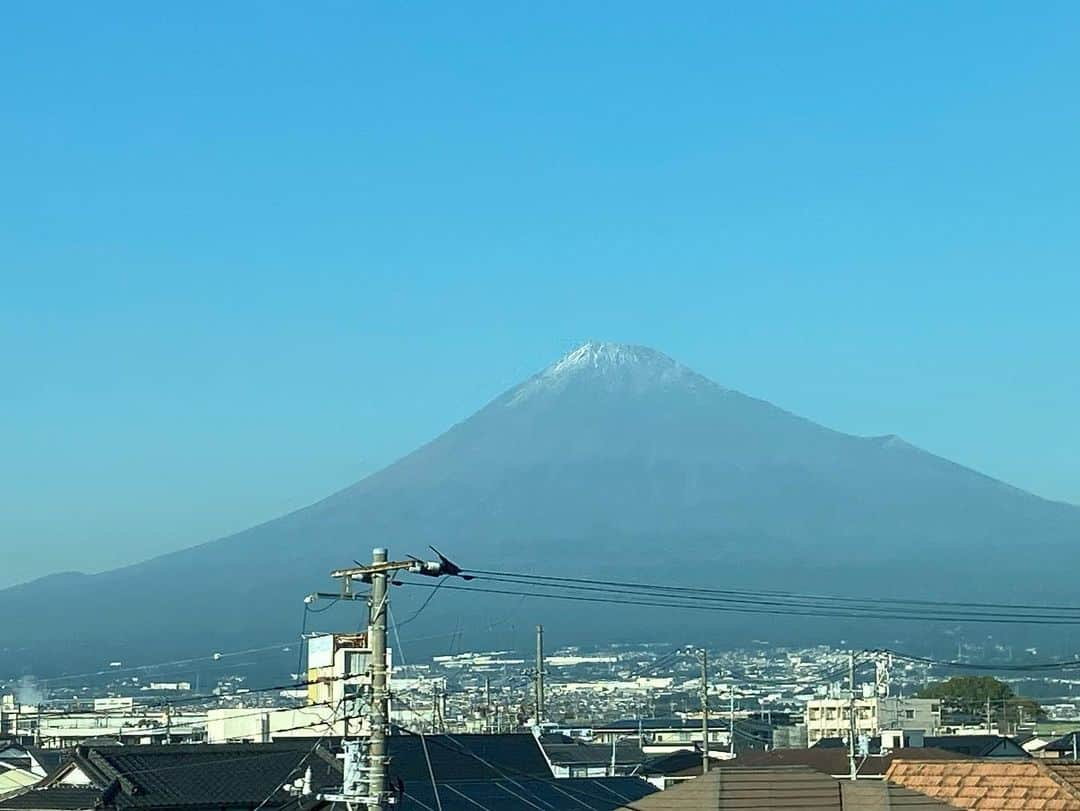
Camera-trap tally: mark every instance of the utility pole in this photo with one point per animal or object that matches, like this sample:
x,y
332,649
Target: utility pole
x,y
851,717
364,779
731,720
168,723
704,711
988,730
379,695
539,675
487,704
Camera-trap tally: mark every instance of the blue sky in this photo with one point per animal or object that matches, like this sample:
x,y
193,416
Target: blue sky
x,y
254,251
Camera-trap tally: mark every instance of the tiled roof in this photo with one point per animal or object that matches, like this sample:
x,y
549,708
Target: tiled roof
x,y
780,788
62,798
1067,771
976,745
217,774
879,795
192,776
1011,785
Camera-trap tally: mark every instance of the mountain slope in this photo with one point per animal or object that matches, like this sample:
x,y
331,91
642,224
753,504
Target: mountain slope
x,y
614,460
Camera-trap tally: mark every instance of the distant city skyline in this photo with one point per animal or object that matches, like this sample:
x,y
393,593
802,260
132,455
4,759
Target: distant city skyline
x,y
250,258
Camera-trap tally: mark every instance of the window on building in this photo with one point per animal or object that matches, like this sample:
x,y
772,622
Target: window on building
x,y
356,663
909,714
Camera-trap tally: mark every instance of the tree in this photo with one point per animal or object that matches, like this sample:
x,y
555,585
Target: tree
x,y
969,694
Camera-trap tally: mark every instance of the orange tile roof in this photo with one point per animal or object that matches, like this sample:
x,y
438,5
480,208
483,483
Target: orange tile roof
x,y
988,785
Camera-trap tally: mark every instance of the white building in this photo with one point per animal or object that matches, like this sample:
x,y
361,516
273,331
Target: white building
x,y
339,669
829,717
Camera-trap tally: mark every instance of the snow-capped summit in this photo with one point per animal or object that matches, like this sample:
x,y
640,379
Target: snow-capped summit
x,y
616,462
605,355
612,365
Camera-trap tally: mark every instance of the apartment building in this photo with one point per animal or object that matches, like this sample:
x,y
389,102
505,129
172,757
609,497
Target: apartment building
x,y
830,717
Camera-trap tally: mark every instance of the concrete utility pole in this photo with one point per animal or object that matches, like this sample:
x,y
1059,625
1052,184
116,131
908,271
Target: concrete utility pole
x,y
731,720
487,704
852,727
539,675
704,711
379,695
988,729
364,781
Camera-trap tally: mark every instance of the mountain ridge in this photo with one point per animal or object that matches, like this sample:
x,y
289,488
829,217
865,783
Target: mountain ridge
x,y
604,457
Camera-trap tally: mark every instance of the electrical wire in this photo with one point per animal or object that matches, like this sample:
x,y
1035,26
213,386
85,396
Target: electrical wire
x,y
700,606
299,765
1034,667
847,607
420,610
212,657
743,592
462,748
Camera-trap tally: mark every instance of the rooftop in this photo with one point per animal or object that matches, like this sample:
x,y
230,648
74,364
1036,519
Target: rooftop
x,y
1023,785
780,788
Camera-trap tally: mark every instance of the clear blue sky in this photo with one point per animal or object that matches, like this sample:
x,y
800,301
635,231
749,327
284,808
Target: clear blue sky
x,y
254,251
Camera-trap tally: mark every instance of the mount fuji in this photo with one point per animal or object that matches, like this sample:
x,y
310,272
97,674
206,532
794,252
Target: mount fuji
x,y
615,460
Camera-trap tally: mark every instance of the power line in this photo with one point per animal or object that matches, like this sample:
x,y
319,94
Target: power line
x,y
699,606
505,772
1068,664
212,657
756,592
848,606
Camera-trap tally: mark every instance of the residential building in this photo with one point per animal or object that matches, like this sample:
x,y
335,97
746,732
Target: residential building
x,y
180,777
62,729
980,746
573,758
338,668
829,717
664,771
663,735
494,772
1067,747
